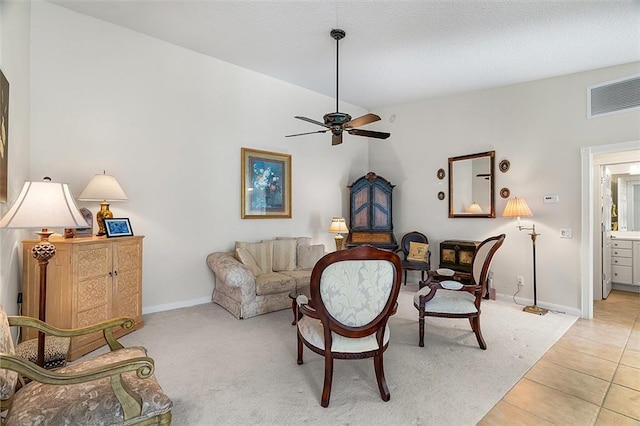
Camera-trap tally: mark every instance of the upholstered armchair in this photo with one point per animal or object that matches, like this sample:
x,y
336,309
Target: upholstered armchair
x,y
443,294
118,387
353,293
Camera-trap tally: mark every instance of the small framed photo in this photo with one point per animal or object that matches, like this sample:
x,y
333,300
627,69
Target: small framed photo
x,y
117,227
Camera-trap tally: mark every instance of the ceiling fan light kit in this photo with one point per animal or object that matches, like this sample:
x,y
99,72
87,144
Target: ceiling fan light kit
x,y
338,122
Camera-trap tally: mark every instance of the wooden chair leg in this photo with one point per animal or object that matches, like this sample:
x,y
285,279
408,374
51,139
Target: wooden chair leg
x,y
405,277
475,326
300,348
382,382
328,377
421,327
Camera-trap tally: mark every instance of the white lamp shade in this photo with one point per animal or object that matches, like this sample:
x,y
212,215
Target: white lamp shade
x,y
338,226
517,207
44,205
103,188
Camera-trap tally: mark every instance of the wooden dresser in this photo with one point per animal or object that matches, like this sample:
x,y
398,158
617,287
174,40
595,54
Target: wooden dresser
x,y
457,254
89,280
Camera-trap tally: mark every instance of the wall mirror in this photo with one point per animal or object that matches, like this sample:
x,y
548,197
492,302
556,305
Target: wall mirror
x,y
471,185
625,197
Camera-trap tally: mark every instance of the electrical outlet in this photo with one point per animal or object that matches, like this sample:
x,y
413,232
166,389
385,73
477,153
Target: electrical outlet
x,y
566,233
520,281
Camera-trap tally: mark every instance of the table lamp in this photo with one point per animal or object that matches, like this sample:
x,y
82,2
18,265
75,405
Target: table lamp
x,y
339,227
43,205
518,207
104,189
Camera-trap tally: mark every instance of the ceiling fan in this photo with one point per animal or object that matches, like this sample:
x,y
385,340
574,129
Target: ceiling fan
x,y
338,122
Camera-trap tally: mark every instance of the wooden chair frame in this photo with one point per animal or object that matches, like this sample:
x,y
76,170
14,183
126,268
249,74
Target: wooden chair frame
x,y
408,265
478,288
316,309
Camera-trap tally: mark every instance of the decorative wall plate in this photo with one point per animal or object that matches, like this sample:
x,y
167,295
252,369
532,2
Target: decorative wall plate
x,y
504,192
440,174
504,166
440,195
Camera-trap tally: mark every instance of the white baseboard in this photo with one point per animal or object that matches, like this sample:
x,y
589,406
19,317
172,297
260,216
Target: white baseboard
x,y
175,305
550,306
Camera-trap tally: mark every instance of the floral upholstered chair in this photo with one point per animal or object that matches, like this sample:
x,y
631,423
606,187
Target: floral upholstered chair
x,y
444,295
353,293
118,387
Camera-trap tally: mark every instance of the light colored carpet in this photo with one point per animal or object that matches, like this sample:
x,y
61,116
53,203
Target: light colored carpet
x,y
223,371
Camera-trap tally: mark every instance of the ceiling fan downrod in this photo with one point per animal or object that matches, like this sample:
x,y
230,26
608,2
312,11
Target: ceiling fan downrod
x,y
337,35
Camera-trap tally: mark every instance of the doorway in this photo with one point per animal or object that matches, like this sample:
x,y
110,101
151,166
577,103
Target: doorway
x,y
593,245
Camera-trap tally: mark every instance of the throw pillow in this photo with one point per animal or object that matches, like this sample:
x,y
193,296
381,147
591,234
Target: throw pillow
x,y
245,257
262,253
284,255
417,251
309,255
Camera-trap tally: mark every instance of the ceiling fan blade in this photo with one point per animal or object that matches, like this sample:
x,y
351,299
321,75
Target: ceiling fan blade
x,y
361,121
307,133
336,139
369,133
310,120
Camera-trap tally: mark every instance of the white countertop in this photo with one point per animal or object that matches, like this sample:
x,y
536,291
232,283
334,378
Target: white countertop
x,y
625,235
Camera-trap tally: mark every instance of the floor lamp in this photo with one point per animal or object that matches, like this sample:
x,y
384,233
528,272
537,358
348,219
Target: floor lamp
x,y
43,205
518,207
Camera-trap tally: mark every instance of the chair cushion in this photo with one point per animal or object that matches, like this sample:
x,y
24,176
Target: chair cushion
x,y
447,301
91,403
311,330
55,351
8,378
417,251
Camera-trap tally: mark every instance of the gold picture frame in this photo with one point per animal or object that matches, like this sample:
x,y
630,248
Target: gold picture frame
x,y
265,185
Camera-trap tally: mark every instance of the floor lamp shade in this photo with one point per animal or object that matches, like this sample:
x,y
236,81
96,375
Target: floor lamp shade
x,y
104,189
43,205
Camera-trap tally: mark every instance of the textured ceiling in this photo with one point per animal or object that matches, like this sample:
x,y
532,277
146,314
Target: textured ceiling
x,y
394,51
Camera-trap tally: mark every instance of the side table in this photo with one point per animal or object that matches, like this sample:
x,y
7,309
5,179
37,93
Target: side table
x,y
293,295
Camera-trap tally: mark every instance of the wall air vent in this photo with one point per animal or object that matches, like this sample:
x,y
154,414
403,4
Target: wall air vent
x,y
613,96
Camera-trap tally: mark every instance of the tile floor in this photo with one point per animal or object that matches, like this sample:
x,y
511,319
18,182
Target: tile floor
x,y
591,376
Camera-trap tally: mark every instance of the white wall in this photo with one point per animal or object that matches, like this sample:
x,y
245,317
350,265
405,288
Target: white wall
x,y
14,62
169,123
540,127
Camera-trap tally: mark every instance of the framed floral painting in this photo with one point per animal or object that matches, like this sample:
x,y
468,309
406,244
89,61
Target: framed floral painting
x,y
265,184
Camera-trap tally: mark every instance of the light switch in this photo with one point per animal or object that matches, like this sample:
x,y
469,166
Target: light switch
x,y
566,233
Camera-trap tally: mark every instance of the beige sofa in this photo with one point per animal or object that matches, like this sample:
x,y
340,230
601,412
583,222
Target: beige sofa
x,y
258,277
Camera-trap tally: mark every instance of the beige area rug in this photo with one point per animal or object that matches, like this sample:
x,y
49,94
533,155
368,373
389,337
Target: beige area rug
x,y
223,371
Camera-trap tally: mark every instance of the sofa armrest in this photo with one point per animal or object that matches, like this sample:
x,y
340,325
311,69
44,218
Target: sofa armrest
x,y
230,270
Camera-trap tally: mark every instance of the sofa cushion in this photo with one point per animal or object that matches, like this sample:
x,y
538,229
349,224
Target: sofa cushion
x,y
245,257
273,282
301,276
308,256
284,255
262,253
300,241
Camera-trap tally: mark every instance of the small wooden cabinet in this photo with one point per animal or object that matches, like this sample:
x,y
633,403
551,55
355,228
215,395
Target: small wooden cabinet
x,y
88,280
457,254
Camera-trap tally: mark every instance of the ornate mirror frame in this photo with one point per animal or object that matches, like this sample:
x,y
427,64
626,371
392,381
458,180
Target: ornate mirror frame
x,y
472,185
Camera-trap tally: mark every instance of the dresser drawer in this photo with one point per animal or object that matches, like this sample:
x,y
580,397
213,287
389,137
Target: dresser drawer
x,y
621,252
621,261
621,274
624,244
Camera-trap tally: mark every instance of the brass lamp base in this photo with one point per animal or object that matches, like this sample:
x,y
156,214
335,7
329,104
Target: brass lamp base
x,y
104,213
339,242
535,310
